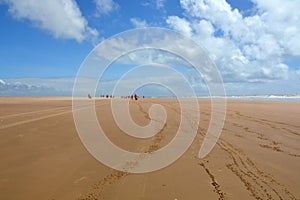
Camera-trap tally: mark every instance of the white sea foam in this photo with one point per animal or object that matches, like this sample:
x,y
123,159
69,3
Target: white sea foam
x,y
273,97
2,82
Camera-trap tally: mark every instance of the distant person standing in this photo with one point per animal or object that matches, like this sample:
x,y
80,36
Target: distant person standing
x,y
89,96
135,96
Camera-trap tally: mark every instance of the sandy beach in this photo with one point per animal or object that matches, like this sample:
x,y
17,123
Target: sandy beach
x,y
256,157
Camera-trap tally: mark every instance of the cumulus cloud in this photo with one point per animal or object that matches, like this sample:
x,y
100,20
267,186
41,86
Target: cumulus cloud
x,y
105,6
138,23
281,20
62,18
33,87
180,25
163,47
245,48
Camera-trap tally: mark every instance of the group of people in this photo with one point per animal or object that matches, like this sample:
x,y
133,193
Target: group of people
x,y
106,96
135,97
132,97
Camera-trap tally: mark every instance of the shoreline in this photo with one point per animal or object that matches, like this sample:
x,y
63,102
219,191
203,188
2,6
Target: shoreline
x,y
292,98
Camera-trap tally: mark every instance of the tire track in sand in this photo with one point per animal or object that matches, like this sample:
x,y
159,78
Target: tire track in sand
x,y
33,120
115,176
33,112
267,143
44,117
270,124
217,187
214,182
260,184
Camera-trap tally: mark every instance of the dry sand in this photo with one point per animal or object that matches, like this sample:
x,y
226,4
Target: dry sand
x,y
256,157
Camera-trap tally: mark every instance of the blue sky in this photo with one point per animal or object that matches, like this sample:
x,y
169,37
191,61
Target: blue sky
x,y
255,44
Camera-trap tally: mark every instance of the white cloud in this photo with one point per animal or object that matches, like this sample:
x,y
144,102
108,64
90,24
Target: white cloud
x,y
64,86
143,50
204,29
251,48
281,20
154,4
180,25
138,23
36,87
62,18
106,6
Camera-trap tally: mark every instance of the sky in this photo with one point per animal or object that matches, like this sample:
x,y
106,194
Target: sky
x,y
255,44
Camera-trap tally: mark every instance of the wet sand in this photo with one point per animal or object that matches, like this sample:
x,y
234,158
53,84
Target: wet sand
x,y
256,157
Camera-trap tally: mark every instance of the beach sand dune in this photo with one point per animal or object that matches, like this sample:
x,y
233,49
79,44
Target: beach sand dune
x,y
256,157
